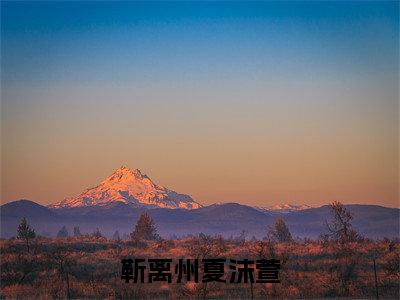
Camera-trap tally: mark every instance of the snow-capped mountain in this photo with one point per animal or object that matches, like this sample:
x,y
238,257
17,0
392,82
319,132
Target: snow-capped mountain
x,y
129,187
283,207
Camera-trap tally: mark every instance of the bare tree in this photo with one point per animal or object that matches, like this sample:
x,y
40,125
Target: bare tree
x,y
280,232
116,236
341,232
201,247
77,231
25,233
63,232
63,262
340,228
97,234
241,238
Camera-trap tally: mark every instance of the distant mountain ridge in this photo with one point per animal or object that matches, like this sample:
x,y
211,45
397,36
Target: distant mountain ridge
x,y
283,207
129,187
228,219
117,202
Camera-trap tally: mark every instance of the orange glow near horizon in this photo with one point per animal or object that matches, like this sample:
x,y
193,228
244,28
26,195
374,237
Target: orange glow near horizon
x,y
253,157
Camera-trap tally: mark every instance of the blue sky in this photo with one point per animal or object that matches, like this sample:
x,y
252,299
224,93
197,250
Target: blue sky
x,y
295,93
113,41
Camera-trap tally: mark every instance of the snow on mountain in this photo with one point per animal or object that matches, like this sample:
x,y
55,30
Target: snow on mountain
x,y
283,208
130,187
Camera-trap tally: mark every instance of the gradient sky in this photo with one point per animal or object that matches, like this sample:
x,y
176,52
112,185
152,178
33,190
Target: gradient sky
x,y
257,103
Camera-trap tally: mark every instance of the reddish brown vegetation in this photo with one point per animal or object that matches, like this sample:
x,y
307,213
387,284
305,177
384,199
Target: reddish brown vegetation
x,y
83,267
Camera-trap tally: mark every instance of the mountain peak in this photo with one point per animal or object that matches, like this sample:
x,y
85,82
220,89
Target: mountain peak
x,y
124,171
129,187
